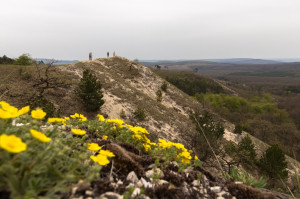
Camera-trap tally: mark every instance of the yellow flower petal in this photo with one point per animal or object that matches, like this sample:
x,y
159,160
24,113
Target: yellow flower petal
x,y
107,153
40,136
12,143
100,159
104,137
78,131
38,114
94,147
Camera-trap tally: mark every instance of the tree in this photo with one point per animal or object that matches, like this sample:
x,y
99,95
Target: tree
x,y
246,151
89,91
24,59
158,67
209,132
273,163
6,60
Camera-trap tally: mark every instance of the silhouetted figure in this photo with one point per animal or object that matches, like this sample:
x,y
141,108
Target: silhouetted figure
x,y
107,54
90,56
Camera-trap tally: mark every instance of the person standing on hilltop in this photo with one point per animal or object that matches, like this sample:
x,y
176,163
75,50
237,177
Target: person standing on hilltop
x,y
90,56
107,54
114,54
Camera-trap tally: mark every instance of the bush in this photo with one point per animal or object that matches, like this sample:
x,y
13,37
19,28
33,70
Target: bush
x,y
24,59
238,129
89,91
47,106
273,163
158,95
246,178
213,130
164,87
246,151
122,114
6,60
139,114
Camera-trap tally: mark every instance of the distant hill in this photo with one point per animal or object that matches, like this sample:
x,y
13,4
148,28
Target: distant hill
x,y
244,61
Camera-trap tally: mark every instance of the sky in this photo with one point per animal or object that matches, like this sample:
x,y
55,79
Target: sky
x,y
150,29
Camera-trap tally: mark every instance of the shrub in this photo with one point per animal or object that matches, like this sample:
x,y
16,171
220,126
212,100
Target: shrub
x,y
238,129
89,91
122,114
139,114
246,151
158,95
6,60
164,87
273,163
213,131
24,59
47,106
246,178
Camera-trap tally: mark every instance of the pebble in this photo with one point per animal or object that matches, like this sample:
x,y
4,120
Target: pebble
x,y
216,189
89,192
110,195
136,192
151,173
146,184
131,177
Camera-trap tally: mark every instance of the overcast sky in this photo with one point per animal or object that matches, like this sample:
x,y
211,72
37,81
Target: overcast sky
x,y
150,29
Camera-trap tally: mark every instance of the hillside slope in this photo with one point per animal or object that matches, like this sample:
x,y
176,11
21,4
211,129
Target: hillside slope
x,y
126,86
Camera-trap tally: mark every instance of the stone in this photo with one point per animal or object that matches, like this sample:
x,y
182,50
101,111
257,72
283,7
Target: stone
x,y
142,196
196,183
136,192
131,177
88,192
216,189
110,195
151,166
223,193
152,173
146,184
188,170
238,182
119,182
139,184
130,185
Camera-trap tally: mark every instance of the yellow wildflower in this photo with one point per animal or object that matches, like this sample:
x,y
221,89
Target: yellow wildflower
x,y
94,147
78,131
100,118
116,121
137,136
12,143
104,137
186,157
38,114
24,110
147,147
106,153
40,136
7,111
82,118
100,159
55,120
74,116
196,157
